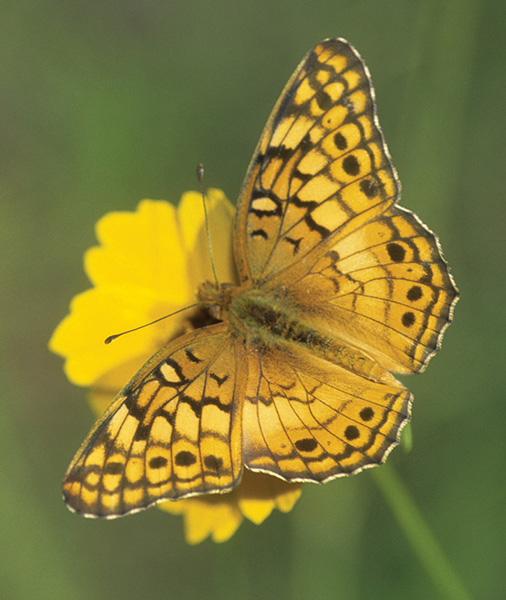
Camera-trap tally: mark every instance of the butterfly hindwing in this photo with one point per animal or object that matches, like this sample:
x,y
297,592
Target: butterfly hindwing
x,y
385,287
308,420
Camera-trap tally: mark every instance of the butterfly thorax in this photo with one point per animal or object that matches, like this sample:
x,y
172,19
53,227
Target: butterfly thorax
x,y
266,319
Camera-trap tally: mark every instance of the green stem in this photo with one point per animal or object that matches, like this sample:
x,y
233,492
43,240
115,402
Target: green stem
x,y
419,535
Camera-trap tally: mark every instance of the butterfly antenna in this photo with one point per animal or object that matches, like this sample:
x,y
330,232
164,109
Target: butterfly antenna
x,y
200,176
111,338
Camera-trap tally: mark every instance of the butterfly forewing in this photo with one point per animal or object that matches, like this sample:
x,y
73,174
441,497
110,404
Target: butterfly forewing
x,y
173,432
321,168
317,219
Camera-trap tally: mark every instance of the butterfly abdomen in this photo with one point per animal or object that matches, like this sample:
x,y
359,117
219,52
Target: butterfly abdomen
x,y
270,322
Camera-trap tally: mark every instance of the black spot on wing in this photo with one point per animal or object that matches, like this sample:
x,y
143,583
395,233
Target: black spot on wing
x,y
135,409
306,445
351,165
351,433
408,319
213,463
305,144
275,152
191,357
113,468
414,293
259,233
396,252
219,380
295,243
333,256
185,458
323,100
142,432
340,141
157,462
369,187
367,413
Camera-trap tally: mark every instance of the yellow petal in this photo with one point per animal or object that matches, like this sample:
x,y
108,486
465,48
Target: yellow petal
x,y
287,498
259,494
219,515
142,249
220,214
99,313
216,516
107,387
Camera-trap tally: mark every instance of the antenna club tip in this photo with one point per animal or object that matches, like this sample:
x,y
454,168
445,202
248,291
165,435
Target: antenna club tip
x,y
110,339
200,171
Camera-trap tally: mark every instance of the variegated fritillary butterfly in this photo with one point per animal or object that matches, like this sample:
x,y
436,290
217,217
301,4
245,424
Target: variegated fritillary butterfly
x,y
339,285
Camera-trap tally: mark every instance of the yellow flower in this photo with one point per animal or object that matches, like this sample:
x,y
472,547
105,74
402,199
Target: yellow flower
x,y
149,263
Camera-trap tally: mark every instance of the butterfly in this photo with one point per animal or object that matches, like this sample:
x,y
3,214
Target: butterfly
x,y
339,286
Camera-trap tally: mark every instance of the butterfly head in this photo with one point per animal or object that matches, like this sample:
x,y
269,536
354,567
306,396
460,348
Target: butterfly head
x,y
216,298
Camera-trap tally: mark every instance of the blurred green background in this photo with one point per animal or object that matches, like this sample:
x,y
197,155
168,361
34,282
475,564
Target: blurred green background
x,y
105,103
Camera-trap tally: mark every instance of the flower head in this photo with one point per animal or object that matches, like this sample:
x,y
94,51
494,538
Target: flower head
x,y
148,264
